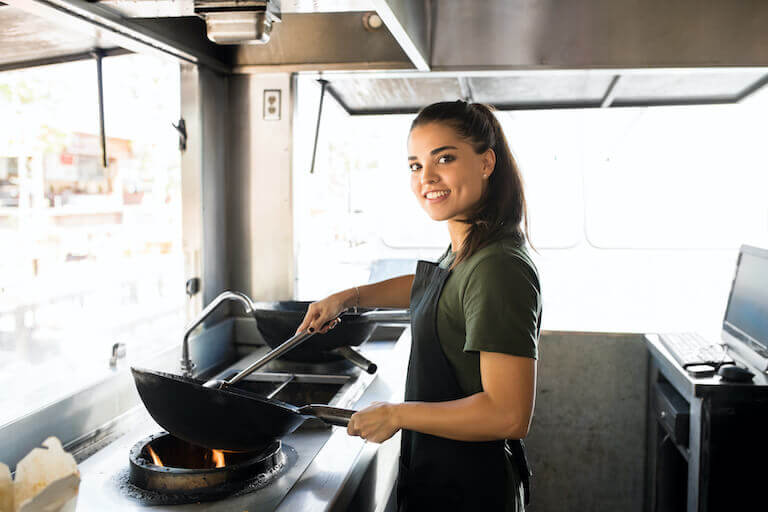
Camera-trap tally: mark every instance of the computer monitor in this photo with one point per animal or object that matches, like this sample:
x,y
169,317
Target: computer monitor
x,y
746,316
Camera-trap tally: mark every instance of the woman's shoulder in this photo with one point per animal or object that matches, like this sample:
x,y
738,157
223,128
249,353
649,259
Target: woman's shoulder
x,y
505,257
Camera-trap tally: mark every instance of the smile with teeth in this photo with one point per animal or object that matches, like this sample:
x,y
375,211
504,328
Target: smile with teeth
x,y
437,194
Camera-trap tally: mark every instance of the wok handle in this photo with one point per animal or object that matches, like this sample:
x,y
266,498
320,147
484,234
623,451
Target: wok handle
x,y
357,359
330,415
394,316
294,341
281,349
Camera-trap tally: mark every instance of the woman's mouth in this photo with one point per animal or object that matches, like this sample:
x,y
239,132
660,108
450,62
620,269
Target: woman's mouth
x,y
435,196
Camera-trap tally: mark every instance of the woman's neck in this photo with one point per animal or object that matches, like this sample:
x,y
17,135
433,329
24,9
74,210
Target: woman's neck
x,y
458,232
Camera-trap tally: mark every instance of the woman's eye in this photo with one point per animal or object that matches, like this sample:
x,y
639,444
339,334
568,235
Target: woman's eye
x,y
444,159
414,167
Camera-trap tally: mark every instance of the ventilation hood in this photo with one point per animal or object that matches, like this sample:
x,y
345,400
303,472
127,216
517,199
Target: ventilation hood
x,y
512,53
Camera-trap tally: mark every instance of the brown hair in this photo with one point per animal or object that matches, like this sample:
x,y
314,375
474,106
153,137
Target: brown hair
x,y
502,209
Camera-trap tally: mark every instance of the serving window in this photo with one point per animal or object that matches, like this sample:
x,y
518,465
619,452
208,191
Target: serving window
x,y
91,255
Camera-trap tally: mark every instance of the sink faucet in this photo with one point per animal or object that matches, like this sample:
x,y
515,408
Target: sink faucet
x,y
186,363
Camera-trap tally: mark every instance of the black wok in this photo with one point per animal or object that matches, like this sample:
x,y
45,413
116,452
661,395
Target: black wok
x,y
223,419
278,321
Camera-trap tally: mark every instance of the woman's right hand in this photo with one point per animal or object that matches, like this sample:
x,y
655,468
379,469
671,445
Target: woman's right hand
x,y
325,310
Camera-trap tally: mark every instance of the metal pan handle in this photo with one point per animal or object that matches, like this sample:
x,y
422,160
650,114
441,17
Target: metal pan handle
x,y
281,349
330,415
394,316
356,358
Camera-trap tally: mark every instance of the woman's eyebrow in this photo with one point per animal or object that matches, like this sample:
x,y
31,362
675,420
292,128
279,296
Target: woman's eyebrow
x,y
434,151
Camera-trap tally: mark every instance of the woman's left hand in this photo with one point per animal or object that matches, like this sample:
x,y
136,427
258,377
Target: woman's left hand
x,y
375,423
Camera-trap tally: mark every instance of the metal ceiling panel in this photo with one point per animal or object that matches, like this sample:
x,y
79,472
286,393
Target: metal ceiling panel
x,y
299,6
151,8
177,8
687,86
26,38
561,89
102,27
391,95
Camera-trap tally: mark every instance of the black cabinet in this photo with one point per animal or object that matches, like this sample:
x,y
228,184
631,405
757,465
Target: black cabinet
x,y
707,439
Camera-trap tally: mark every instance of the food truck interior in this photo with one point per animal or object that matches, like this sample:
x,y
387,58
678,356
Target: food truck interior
x,y
168,167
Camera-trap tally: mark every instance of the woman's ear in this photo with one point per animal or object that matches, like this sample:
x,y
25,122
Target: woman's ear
x,y
489,162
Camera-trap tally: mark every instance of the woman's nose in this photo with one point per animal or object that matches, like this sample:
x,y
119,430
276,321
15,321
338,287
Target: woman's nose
x,y
428,175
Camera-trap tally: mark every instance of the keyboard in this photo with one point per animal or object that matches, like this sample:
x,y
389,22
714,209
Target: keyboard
x,y
691,349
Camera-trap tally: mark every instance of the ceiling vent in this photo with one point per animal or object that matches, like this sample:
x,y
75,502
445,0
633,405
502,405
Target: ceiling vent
x,y
239,21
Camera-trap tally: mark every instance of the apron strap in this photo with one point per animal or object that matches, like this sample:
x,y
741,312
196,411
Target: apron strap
x,y
515,448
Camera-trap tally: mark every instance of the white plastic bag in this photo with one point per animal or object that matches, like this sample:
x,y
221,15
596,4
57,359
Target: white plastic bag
x,y
47,480
6,489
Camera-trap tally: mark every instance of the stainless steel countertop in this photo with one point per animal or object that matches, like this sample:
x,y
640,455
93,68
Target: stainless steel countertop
x,y
325,469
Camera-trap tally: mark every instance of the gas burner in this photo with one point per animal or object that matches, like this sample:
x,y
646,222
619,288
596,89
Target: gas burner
x,y
181,472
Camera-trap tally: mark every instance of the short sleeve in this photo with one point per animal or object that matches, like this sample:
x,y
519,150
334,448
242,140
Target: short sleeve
x,y
501,305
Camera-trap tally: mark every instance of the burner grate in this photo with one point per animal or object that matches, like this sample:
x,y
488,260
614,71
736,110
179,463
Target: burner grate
x,y
189,472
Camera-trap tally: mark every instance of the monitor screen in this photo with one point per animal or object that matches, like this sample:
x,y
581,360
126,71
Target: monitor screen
x,y
747,314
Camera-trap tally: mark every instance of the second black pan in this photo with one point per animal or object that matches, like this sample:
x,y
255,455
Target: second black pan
x,y
223,419
277,321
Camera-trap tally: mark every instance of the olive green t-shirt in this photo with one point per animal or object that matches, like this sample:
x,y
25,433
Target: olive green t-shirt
x,y
491,302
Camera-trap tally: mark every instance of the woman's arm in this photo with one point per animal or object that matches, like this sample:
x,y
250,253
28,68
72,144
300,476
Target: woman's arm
x,y
503,410
391,293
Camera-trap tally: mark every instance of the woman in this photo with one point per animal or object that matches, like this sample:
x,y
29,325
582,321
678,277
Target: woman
x,y
475,317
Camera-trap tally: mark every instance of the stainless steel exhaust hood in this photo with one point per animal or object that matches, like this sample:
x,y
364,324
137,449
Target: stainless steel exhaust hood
x,y
511,53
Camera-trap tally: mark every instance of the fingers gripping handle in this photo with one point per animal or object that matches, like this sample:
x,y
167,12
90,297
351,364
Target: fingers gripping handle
x,y
330,415
330,323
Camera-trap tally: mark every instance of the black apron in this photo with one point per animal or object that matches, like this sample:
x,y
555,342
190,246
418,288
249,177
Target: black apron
x,y
436,471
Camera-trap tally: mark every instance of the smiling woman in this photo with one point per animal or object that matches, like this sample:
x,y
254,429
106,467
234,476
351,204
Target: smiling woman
x,y
454,148
475,323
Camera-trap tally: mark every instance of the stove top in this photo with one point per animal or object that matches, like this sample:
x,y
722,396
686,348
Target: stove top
x,y
306,469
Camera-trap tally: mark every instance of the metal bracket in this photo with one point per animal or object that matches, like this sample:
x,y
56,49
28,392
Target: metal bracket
x,y
193,286
323,84
118,352
182,129
98,55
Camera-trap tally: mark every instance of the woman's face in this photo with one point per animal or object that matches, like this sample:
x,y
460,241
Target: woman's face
x,y
446,173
